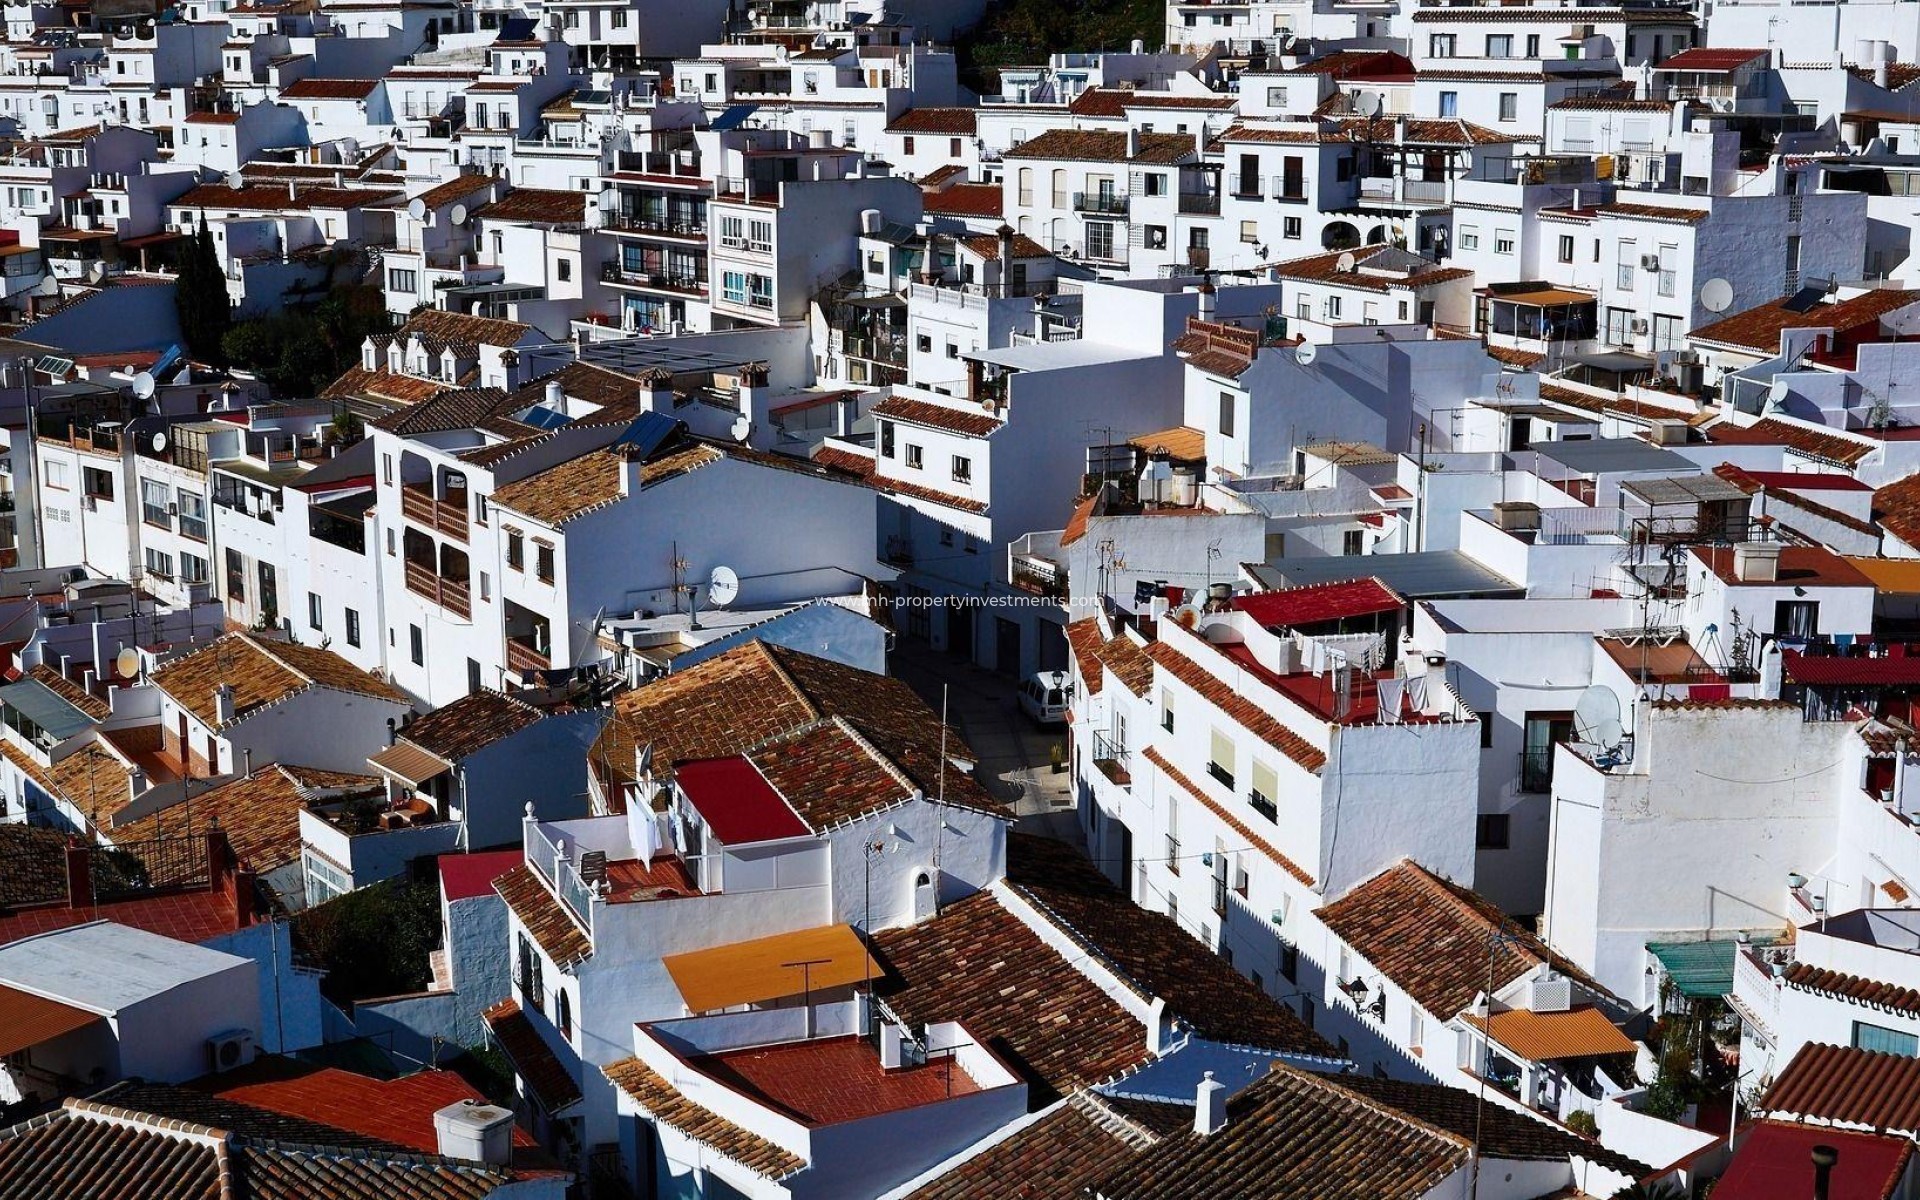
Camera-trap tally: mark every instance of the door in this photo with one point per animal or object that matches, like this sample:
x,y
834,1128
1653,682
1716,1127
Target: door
x,y
1006,647
1544,731
960,630
1123,856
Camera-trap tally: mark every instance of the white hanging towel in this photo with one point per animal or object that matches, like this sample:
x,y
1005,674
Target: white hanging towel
x,y
643,830
1417,692
1391,691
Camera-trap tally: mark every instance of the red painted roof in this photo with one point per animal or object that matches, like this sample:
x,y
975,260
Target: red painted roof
x,y
1710,59
464,876
1808,481
185,916
1320,602
737,802
394,1110
1833,670
1776,1160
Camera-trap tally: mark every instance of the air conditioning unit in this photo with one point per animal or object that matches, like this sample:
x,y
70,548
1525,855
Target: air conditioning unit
x,y
1649,262
1550,993
230,1051
1639,326
90,504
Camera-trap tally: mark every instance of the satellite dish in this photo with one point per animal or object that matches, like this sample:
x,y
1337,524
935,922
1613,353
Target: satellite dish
x,y
236,180
1345,263
1716,295
458,214
1596,718
417,209
1368,104
159,441
143,388
1186,616
742,429
127,662
1777,392
49,287
96,272
723,587
1305,353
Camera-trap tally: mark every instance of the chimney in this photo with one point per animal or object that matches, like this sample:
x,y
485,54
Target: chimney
x,y
1880,73
1005,235
1824,1157
136,783
1756,562
393,730
1209,1106
657,390
293,193
1207,304
222,703
79,876
1133,142
246,757
556,396
870,221
475,1131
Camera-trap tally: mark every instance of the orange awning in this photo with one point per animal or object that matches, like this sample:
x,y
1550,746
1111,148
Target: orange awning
x,y
1538,1037
409,763
770,968
1182,442
26,1020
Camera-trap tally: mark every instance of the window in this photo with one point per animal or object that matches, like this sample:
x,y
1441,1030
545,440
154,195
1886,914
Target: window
x,y
914,456
1166,710
953,147
1353,542
353,627
1541,732
314,610
1173,842
924,343
516,550
386,468
1491,831
159,565
886,438
236,576
1533,45
1566,248
1503,241
1440,45
1486,729
57,476
1220,763
529,974
1469,237
962,469
193,515
269,595
953,350
1333,308
98,483
1277,97
1669,263
1509,106
1250,231
1290,228
417,645
619,20
1449,104
1626,265
1153,184
154,499
563,268
402,280
1099,239
1263,791
1289,965
1499,45
1796,618
1154,237
562,1006
543,562
1886,1041
1226,414
193,568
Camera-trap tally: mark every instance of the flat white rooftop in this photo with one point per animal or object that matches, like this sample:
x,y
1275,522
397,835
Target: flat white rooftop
x,y
105,967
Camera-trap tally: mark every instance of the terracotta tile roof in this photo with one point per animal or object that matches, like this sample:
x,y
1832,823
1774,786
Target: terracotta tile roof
x,y
384,386
458,188
1546,1036
1897,507
1654,212
71,692
1057,1157
1237,707
1436,132
1775,1162
96,781
1273,136
1119,654
274,198
978,964
666,1104
470,724
1751,484
69,1153
191,916
448,409
864,467
953,122
1502,1132
1710,59
1760,328
1317,603
966,200
1821,444
1354,64
1151,951
970,422
987,247
1523,359
1296,1135
463,327
259,814
538,206
1618,99
329,89
32,865
1090,145
536,1064
545,918
1217,348
1239,827
1452,14
1805,566
1431,938
395,1111
261,673
1099,102
1870,992
1858,1089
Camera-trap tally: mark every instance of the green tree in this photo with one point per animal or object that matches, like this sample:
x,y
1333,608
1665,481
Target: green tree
x,y
200,299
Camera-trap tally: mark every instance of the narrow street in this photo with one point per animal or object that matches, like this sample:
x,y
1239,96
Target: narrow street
x,y
1016,756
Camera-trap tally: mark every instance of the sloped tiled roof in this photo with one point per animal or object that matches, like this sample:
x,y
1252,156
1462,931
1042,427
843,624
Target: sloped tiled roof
x,y
538,206
1433,938
954,122
1152,951
329,89
536,1064
966,200
1897,507
976,423
470,724
33,865
1057,1157
261,673
88,703
978,964
666,1104
1872,993
544,917
1248,714
830,775
1829,445
1226,815
1503,1133
1119,654
1856,1089
260,814
1091,145
1759,328
463,327
987,247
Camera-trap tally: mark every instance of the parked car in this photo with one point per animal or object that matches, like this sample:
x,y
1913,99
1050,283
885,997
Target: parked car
x,y
1044,697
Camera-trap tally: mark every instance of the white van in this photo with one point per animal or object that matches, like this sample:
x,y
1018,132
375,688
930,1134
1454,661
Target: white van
x,y
1044,697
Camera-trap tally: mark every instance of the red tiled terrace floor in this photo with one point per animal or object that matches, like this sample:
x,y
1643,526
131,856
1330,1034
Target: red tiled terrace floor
x,y
827,1081
630,879
188,916
1316,693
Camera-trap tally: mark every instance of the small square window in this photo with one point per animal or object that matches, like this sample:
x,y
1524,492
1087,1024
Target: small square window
x,y
914,456
1493,831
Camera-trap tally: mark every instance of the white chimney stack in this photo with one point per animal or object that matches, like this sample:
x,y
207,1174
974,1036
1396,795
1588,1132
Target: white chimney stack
x,y
222,703
556,396
1209,1106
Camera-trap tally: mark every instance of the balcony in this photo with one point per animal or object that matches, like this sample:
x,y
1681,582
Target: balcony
x,y
1034,565
450,594
690,227
1246,187
887,348
680,284
1756,989
677,164
524,657
1113,760
1203,204
1104,203
420,507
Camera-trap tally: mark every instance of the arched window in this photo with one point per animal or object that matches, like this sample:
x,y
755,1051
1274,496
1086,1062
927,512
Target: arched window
x,y
563,1013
